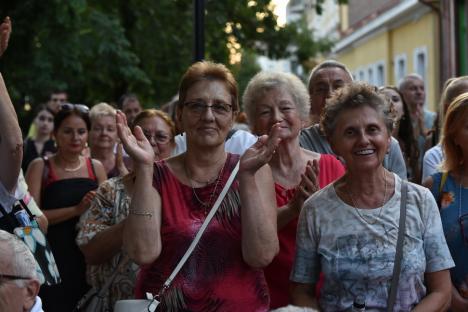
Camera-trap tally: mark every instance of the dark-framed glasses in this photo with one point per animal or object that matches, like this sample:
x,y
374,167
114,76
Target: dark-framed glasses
x,y
159,137
199,107
463,221
80,107
10,277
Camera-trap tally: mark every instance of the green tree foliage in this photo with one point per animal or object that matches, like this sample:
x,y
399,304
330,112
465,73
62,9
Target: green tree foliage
x,y
97,50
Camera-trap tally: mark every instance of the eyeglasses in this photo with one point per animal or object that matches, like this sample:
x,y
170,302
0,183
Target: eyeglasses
x,y
13,277
80,107
463,220
218,108
159,137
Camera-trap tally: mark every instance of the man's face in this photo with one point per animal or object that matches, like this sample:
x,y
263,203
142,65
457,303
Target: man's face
x,y
324,82
56,99
131,108
413,94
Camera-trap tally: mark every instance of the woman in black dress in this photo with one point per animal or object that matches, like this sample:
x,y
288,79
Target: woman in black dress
x,y
42,143
64,186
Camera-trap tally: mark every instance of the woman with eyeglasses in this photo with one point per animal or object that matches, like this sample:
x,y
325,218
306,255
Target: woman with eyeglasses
x,y
64,186
101,226
42,144
450,189
279,98
172,198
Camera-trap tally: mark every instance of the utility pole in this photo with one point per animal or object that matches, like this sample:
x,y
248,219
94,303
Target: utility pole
x,y
199,34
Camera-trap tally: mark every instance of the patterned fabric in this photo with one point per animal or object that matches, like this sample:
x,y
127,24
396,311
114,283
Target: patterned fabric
x,y
357,257
277,273
215,277
450,201
109,207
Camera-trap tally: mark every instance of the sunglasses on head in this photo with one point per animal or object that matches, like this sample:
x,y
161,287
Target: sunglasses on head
x,y
69,106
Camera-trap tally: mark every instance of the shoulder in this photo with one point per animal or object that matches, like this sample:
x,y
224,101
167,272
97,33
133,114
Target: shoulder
x,y
310,155
240,141
433,154
36,164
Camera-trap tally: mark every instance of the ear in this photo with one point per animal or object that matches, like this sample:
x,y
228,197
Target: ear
x,y
30,290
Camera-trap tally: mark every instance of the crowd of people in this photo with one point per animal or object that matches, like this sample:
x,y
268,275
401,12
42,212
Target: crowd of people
x,y
337,187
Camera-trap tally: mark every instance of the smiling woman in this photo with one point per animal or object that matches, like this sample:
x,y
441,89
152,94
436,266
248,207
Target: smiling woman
x,y
349,229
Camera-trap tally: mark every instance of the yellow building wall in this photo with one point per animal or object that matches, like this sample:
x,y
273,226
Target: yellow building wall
x,y
384,46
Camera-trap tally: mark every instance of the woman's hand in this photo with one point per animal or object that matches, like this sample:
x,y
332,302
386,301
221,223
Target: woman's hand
x,y
5,31
136,145
119,162
85,202
309,184
261,152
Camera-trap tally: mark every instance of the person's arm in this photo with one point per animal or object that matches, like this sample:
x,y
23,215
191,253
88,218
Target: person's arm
x,y
258,207
11,140
34,181
101,174
142,229
302,295
439,290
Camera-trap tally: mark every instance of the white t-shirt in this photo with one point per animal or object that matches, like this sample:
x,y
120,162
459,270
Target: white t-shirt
x,y
236,144
357,256
432,159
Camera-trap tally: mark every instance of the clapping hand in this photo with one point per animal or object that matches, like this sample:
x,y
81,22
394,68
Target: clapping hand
x,y
261,152
5,31
309,184
136,145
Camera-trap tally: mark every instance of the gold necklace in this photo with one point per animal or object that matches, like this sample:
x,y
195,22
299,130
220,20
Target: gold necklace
x,y
205,205
381,208
74,169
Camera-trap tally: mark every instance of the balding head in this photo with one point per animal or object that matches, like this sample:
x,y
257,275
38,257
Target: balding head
x,y
412,89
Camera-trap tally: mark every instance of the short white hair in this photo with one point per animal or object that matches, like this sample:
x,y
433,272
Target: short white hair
x,y
22,260
101,110
413,76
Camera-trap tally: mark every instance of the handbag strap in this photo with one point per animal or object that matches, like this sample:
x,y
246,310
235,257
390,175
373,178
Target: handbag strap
x,y
399,248
201,230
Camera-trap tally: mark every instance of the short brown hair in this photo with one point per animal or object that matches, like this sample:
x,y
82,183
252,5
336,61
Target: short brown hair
x,y
206,70
151,113
457,114
355,95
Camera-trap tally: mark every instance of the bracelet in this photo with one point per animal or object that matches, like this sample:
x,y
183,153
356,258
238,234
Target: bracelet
x,y
142,214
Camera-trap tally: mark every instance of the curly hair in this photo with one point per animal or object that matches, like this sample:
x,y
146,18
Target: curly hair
x,y
356,95
267,80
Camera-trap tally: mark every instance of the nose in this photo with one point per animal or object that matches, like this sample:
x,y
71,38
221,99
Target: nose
x,y
277,115
207,113
363,139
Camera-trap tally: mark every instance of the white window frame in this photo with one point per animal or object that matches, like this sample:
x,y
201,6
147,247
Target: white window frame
x,y
384,74
361,72
416,52
370,70
396,62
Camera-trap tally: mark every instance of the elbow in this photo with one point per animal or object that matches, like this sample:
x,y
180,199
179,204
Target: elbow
x,y
144,254
263,257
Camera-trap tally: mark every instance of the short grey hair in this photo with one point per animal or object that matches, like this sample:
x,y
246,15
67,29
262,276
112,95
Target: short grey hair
x,y
268,80
22,260
101,110
329,64
402,83
356,95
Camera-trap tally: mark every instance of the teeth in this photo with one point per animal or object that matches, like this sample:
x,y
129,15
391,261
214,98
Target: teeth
x,y
365,152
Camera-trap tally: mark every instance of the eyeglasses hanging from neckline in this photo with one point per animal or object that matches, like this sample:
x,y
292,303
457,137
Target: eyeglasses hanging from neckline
x,y
80,107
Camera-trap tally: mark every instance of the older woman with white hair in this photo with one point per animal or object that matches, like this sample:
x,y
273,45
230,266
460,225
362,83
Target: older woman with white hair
x,y
279,98
19,284
103,139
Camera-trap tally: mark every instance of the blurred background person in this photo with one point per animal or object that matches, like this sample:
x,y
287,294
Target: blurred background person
x,y
130,106
403,132
56,99
19,284
325,79
434,156
103,138
101,226
161,226
64,186
450,188
42,143
278,98
349,229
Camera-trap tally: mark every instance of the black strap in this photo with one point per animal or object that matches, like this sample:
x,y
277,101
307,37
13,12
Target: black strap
x,y
230,134
399,248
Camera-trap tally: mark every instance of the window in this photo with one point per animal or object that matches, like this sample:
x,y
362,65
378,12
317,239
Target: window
x,y
420,62
370,75
380,74
400,67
